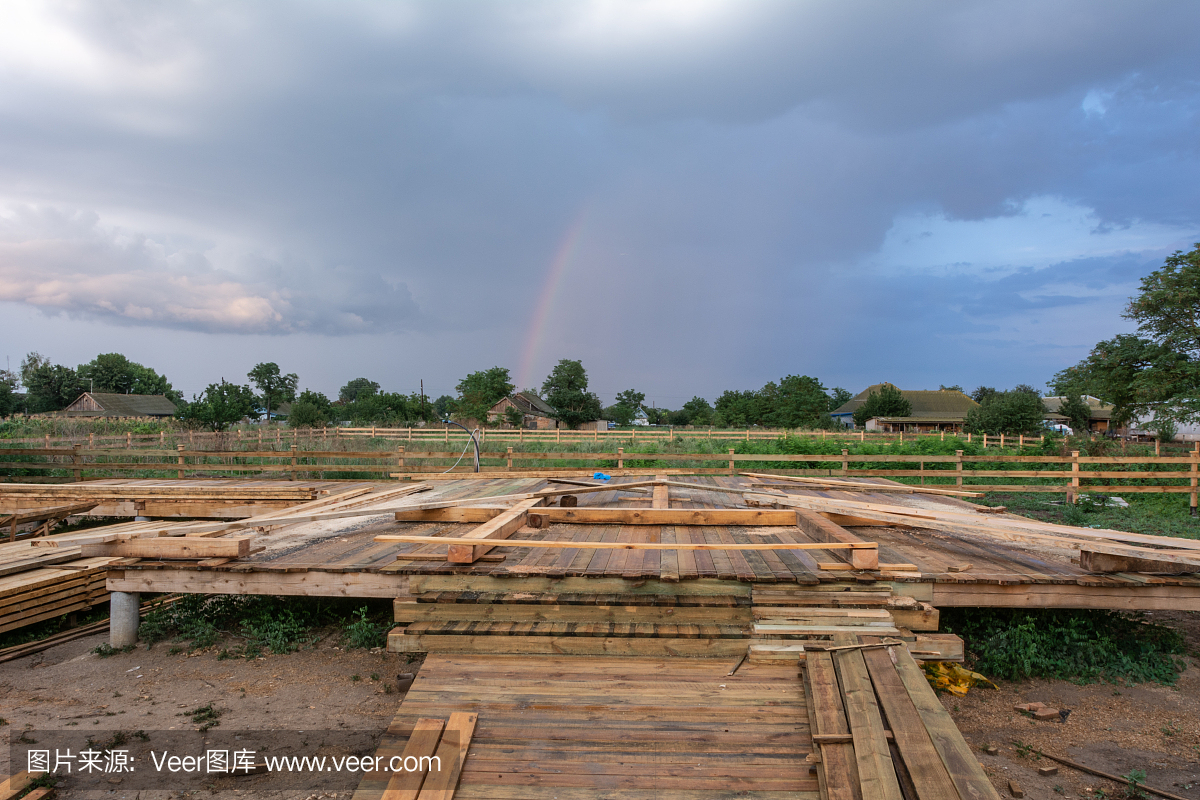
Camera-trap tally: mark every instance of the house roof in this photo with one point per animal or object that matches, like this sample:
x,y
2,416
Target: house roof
x,y
126,405
926,404
532,403
1099,408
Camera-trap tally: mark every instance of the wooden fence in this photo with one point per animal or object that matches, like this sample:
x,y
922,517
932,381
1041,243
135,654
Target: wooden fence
x,y
278,434
1070,474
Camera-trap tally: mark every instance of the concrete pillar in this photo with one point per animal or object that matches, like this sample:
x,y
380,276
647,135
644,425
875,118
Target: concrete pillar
x,y
141,519
123,618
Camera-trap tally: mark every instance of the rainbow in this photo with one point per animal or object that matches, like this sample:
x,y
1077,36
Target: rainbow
x,y
541,313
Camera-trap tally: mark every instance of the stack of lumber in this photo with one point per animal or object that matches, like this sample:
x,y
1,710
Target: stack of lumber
x,y
43,590
1098,549
155,498
880,732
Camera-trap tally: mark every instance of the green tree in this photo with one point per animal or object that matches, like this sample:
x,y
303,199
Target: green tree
x,y
737,409
887,402
698,412
1158,371
50,387
113,372
514,416
7,401
479,391
565,391
1077,412
798,402
954,388
838,397
1013,412
359,386
625,410
310,409
982,393
444,406
274,388
221,405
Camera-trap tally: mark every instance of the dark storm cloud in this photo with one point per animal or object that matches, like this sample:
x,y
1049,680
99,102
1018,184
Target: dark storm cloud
x,y
738,173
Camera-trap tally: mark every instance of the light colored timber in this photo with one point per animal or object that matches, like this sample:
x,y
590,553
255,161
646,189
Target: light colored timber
x,y
636,545
398,642
301,584
745,517
1071,595
407,612
501,527
422,743
177,547
1062,536
864,486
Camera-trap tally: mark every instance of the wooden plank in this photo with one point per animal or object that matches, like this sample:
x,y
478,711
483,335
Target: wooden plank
x,y
556,544
12,786
822,530
1071,595
925,767
827,716
422,744
748,517
303,584
661,495
1093,561
452,752
876,773
536,612
960,762
399,642
501,527
419,584
177,547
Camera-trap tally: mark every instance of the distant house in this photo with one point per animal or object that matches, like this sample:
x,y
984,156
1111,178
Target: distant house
x,y
536,414
640,417
932,410
106,404
1099,420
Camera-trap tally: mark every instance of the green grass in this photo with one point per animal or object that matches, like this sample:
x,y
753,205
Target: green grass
x,y
1079,646
262,623
1154,514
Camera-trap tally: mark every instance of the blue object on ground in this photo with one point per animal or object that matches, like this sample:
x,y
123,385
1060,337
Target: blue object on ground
x,y
600,476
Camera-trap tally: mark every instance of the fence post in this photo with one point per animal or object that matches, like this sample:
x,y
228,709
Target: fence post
x,y
92,441
1002,441
400,464
295,462
1195,463
958,467
1157,451
921,469
943,430
1021,442
732,469
162,438
1073,490
620,457
75,461
179,449
508,462
128,440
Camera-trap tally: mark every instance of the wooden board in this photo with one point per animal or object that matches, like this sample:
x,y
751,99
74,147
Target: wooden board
x,y
502,527
175,547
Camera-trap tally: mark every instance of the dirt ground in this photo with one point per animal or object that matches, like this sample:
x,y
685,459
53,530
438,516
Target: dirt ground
x,y
71,688
1113,728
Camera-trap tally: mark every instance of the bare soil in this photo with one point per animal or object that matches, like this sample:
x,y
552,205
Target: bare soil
x,y
1113,728
71,688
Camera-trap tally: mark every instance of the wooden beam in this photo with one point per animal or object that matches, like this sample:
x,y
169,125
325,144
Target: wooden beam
x,y
863,486
661,497
747,517
438,540
501,527
302,584
876,772
177,547
1093,561
423,743
820,529
451,753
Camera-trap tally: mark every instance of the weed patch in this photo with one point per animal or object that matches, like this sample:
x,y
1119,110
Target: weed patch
x,y
1080,646
274,624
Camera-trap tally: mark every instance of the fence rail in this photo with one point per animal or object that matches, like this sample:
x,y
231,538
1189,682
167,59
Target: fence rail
x,y
281,435
1072,474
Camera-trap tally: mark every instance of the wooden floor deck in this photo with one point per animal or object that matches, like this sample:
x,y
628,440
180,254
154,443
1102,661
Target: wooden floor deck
x,y
949,569
580,728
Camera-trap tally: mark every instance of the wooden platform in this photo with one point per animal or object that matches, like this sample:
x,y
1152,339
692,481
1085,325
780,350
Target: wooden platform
x,y
949,569
579,728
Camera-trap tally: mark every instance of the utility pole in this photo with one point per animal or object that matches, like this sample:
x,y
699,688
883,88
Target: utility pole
x,y
422,398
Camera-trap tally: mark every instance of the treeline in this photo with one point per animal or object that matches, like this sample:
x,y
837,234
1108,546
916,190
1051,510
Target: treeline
x,y
1152,375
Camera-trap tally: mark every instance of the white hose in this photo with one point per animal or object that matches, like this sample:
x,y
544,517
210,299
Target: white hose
x,y
470,441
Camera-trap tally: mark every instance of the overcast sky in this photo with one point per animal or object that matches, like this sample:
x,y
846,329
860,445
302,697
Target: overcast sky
x,y
688,195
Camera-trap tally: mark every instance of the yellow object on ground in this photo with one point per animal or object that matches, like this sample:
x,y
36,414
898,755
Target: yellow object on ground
x,y
953,678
